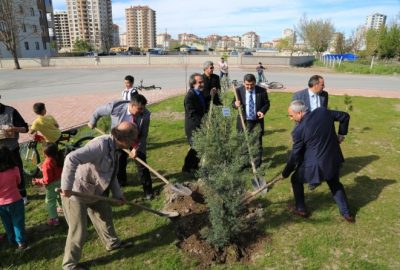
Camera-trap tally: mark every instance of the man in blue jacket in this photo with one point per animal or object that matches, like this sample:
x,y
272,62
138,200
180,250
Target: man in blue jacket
x,y
316,154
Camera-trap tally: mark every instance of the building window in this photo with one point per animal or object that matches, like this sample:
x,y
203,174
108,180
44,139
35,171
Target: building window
x,y
37,45
26,45
34,28
32,12
23,27
2,26
21,9
44,45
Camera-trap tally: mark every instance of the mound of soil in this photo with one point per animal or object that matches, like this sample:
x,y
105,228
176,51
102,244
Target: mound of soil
x,y
192,222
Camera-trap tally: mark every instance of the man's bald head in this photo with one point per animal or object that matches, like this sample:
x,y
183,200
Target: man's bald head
x,y
125,133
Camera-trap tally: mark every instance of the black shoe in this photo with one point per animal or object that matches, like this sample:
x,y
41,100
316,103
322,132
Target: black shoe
x,y
122,244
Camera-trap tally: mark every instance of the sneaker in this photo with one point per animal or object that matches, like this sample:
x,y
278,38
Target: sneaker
x,y
25,200
53,222
21,247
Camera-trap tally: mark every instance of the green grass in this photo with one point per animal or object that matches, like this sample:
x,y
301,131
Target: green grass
x,y
363,67
370,176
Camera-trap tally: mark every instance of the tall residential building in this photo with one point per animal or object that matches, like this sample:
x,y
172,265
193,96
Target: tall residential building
x,y
122,39
61,28
250,40
91,21
140,27
375,21
33,27
115,35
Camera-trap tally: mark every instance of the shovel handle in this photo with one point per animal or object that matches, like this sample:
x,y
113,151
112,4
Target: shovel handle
x,y
254,193
111,200
141,162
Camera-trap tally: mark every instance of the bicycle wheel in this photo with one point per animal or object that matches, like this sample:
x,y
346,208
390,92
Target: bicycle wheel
x,y
275,85
30,158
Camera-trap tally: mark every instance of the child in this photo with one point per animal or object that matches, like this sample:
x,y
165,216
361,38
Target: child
x,y
129,90
45,124
12,210
51,168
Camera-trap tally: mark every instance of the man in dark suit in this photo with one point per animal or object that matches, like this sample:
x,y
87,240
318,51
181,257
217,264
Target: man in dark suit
x,y
211,85
195,108
316,154
255,105
314,96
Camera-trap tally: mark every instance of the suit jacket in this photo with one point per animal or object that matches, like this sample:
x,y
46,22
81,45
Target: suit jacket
x,y
316,153
117,111
305,97
194,112
262,101
209,83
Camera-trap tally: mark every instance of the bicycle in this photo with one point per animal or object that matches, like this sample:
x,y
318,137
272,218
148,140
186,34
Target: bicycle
x,y
30,154
141,87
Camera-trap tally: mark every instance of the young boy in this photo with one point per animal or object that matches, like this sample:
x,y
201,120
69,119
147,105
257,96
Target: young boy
x,y
129,90
45,124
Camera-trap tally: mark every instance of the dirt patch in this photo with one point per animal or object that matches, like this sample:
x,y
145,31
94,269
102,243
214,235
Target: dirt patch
x,y
168,114
397,107
193,222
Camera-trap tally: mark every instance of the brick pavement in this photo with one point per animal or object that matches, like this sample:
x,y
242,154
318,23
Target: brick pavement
x,y
71,111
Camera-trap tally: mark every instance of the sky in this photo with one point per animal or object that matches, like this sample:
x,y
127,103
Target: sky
x,y
267,18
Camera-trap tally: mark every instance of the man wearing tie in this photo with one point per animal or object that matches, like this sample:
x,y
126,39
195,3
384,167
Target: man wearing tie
x,y
133,111
255,105
314,96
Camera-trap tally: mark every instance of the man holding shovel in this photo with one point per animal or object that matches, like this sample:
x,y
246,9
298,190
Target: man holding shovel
x,y
255,104
133,111
92,170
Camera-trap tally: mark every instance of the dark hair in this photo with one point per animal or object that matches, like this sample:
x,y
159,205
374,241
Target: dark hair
x,y
126,134
39,107
129,78
249,78
6,159
138,99
314,80
192,79
51,150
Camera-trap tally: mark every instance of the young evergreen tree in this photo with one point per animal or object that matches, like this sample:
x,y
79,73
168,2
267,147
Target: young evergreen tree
x,y
223,154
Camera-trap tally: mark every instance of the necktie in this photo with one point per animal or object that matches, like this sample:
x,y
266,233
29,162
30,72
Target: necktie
x,y
252,111
133,119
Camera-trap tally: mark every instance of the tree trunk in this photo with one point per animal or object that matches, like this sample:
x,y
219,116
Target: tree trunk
x,y
16,62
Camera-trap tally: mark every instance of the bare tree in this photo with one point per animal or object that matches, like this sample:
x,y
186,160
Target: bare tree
x,y
106,38
316,34
339,43
356,40
9,29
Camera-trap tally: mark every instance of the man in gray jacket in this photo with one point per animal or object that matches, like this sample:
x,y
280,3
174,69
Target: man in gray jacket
x,y
133,111
92,170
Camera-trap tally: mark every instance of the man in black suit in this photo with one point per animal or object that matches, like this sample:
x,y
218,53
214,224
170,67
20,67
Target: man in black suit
x,y
316,154
314,96
255,105
211,85
195,108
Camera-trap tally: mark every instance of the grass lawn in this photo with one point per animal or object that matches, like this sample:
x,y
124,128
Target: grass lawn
x,y
370,176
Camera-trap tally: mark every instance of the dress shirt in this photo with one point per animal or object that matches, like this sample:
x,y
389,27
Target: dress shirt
x,y
315,101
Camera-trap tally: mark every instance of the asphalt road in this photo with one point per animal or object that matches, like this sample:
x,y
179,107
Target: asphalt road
x,y
27,84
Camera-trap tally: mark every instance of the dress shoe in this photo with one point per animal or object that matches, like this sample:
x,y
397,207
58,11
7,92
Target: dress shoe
x,y
122,244
349,219
300,213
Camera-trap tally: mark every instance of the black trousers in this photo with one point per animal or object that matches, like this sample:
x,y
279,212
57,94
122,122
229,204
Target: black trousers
x,y
336,188
191,161
143,172
255,126
17,158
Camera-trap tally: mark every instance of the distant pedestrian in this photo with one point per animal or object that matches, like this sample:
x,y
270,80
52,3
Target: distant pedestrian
x,y
223,68
260,73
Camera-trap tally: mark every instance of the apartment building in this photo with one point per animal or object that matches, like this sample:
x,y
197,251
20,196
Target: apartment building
x,y
140,27
91,20
115,35
33,25
61,28
375,21
250,40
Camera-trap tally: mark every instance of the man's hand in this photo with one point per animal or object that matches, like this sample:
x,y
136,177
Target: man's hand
x,y
237,104
66,193
132,153
340,138
122,200
91,126
260,115
213,91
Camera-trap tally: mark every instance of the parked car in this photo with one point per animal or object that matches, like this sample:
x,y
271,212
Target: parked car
x,y
233,53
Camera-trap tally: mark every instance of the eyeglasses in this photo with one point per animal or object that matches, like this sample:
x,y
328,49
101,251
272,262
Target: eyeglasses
x,y
211,67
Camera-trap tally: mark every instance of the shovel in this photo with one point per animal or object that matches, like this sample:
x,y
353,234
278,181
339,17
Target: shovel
x,y
115,201
176,188
251,195
257,181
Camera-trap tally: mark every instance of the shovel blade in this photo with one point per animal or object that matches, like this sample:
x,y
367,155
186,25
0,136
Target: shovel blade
x,y
255,184
180,189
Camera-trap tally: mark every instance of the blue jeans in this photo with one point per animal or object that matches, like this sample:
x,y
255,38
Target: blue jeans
x,y
13,218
